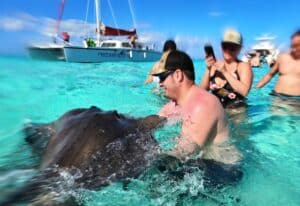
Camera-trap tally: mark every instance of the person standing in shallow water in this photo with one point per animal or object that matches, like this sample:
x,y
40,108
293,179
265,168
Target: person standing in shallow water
x,y
204,124
288,67
230,79
169,45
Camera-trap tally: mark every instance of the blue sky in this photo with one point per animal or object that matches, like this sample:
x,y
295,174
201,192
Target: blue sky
x,y
190,23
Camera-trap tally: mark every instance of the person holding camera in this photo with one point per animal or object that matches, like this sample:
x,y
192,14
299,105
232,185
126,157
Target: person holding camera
x,y
230,79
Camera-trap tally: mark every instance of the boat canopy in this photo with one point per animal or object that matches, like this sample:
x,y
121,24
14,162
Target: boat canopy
x,y
110,31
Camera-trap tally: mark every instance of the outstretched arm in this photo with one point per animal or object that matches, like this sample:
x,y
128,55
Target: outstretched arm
x,y
168,110
268,76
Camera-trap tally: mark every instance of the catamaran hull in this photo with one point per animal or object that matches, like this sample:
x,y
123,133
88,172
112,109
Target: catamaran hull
x,y
47,53
96,55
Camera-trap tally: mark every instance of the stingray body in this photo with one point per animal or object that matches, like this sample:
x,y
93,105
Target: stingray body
x,y
94,147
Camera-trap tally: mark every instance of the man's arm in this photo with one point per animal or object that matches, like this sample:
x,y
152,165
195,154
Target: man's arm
x,y
268,76
168,110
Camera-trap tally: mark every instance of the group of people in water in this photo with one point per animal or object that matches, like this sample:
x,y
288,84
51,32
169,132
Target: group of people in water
x,y
224,85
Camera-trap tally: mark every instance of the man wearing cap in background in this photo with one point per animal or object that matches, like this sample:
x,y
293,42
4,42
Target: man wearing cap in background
x,y
231,79
204,125
169,45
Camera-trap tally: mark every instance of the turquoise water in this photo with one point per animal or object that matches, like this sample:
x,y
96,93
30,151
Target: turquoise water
x,y
267,132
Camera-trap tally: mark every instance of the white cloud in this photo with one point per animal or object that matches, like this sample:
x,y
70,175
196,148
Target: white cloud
x,y
283,46
76,28
19,22
46,26
151,36
143,25
193,45
11,24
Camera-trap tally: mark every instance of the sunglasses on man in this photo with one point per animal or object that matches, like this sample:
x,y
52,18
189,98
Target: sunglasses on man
x,y
163,76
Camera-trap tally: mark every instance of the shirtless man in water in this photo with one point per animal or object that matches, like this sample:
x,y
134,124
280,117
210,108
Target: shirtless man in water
x,y
288,67
202,115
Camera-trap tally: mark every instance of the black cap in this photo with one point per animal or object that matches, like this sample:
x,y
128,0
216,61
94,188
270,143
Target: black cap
x,y
180,60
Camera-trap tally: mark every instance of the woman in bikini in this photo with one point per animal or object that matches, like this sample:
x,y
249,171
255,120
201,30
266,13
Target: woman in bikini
x,y
230,80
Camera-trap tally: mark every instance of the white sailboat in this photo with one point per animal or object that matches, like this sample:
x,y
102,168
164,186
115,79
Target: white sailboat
x,y
111,50
53,50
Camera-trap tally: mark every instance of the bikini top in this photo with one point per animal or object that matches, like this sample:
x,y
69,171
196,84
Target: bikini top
x,y
226,89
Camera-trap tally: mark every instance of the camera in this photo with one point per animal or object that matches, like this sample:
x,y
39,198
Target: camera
x,y
209,51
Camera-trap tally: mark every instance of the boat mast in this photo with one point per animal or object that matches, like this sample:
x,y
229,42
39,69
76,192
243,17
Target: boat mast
x,y
59,16
97,22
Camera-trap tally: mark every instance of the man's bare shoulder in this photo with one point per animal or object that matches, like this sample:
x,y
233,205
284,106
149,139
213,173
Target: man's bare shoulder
x,y
283,62
206,101
284,56
207,110
201,95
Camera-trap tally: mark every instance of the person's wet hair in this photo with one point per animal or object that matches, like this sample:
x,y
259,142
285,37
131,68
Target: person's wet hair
x,y
297,33
169,45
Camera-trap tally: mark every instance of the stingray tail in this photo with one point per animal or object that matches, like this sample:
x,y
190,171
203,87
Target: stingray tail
x,y
26,194
35,193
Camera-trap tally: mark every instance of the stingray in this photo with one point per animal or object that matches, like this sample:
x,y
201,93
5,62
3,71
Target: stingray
x,y
86,148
